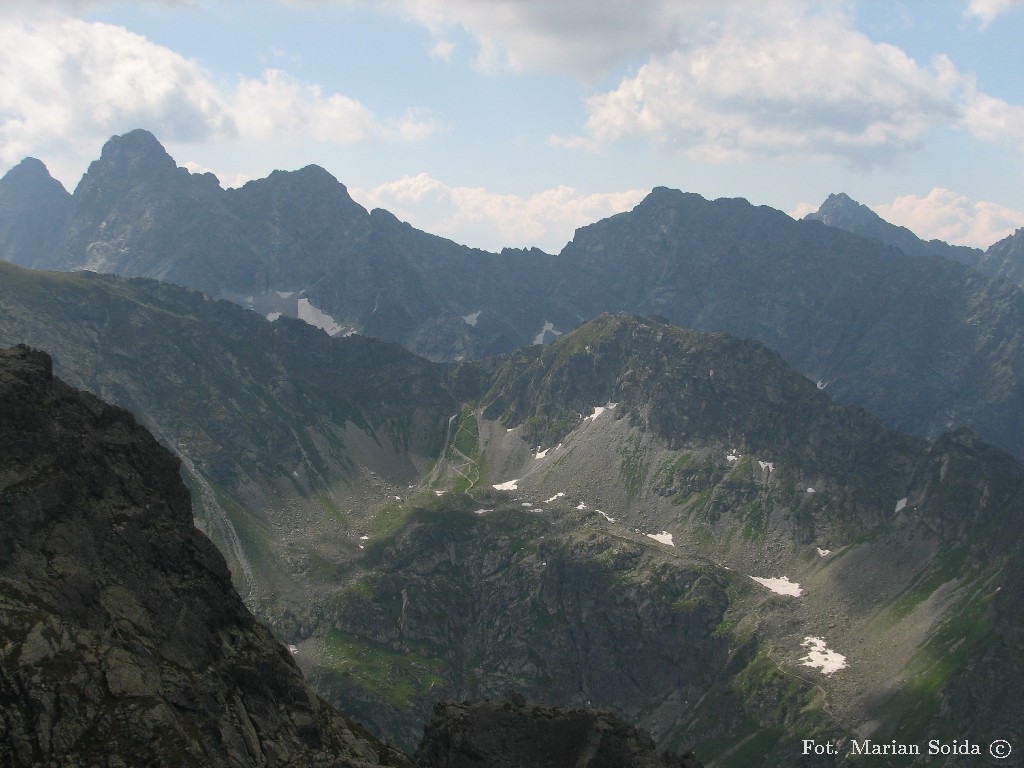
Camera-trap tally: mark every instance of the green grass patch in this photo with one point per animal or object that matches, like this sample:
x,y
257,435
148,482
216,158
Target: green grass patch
x,y
395,677
633,467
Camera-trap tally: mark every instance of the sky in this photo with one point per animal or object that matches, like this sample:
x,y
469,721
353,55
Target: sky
x,y
513,122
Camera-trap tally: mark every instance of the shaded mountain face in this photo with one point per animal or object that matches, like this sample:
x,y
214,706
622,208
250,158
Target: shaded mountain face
x,y
124,642
926,344
843,212
465,735
580,522
283,433
899,335
1006,258
34,211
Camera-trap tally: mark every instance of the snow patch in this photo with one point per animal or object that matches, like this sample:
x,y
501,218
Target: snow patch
x,y
664,537
733,456
558,495
769,465
293,649
599,409
609,518
272,316
819,656
581,505
364,537
900,505
527,504
482,511
811,490
508,485
548,328
317,317
471,319
285,294
541,454
823,552
781,586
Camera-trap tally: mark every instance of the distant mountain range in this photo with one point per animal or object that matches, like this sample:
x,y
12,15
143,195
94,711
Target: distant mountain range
x,y
656,472
926,343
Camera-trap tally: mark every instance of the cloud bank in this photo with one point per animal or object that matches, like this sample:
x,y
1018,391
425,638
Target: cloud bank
x,y
68,84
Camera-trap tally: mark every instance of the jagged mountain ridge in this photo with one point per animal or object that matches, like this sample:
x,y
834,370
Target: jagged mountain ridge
x,y
652,462
841,211
1002,259
924,343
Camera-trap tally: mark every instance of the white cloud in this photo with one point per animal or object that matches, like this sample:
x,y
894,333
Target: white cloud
x,y
804,85
67,84
442,50
952,217
585,38
729,80
986,10
477,217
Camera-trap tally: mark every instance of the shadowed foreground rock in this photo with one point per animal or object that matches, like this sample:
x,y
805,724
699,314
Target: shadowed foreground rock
x,y
522,734
122,640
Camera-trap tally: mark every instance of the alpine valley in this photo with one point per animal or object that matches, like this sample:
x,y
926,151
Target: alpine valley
x,y
749,482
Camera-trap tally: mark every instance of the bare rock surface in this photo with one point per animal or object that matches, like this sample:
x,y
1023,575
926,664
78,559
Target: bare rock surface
x,y
122,640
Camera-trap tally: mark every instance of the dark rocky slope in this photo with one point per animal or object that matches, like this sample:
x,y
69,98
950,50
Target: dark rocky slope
x,y
123,641
522,734
1006,257
282,430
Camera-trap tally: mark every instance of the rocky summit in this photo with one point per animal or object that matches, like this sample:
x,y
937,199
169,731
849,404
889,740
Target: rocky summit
x,y
122,641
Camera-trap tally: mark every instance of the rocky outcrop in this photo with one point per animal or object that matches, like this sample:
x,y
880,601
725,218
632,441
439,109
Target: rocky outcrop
x,y
517,733
122,640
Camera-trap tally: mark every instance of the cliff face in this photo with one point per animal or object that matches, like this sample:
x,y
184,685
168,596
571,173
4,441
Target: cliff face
x,y
122,640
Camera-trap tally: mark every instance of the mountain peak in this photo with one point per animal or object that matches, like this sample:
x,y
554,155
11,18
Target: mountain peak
x,y
842,211
667,196
34,207
30,171
137,153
